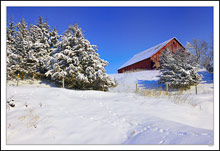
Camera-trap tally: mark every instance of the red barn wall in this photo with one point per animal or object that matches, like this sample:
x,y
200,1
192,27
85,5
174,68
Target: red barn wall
x,y
148,63
173,46
144,64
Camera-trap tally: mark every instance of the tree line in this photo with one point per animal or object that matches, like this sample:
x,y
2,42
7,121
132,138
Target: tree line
x,y
39,51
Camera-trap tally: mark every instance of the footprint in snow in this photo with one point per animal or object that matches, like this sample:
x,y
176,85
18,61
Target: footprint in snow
x,y
182,133
164,137
204,134
141,131
162,141
196,134
133,133
154,129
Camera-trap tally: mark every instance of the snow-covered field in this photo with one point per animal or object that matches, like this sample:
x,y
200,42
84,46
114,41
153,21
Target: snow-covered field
x,y
45,114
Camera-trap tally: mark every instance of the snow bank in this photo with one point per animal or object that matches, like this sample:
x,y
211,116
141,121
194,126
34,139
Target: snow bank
x,y
61,116
44,114
166,132
127,81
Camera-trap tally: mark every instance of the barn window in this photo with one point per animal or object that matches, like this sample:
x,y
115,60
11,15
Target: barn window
x,y
173,42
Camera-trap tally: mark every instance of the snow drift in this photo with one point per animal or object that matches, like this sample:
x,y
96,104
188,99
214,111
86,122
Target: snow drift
x,y
51,115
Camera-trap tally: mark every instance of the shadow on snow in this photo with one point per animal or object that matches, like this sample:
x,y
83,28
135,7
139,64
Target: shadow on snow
x,y
151,84
206,77
47,82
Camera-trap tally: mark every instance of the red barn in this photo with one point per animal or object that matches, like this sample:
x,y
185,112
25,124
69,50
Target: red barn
x,y
149,59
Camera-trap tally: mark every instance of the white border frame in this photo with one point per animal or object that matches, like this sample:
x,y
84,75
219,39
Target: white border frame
x,y
214,4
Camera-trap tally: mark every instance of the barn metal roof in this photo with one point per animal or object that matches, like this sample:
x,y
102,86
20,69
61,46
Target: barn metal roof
x,y
146,53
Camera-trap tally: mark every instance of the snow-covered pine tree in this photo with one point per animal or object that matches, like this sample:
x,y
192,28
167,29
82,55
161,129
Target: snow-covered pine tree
x,y
13,56
45,32
54,43
179,70
54,40
166,65
40,37
79,63
27,66
10,48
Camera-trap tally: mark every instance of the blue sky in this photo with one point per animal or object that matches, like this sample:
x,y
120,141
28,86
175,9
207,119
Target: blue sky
x,y
121,32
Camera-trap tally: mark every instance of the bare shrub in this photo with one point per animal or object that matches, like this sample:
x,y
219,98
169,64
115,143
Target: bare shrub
x,y
177,97
150,92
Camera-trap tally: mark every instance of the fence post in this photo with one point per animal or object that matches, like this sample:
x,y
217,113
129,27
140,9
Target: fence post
x,y
196,88
17,78
22,76
63,81
167,88
103,87
136,87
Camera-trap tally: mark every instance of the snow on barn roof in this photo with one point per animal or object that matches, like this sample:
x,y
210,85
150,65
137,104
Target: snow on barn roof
x,y
145,54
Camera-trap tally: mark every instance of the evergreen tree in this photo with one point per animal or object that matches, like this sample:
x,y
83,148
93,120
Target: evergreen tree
x,y
40,37
27,65
179,70
13,56
78,62
54,40
44,30
54,45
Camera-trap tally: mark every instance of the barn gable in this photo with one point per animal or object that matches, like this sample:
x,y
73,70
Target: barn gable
x,y
151,53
